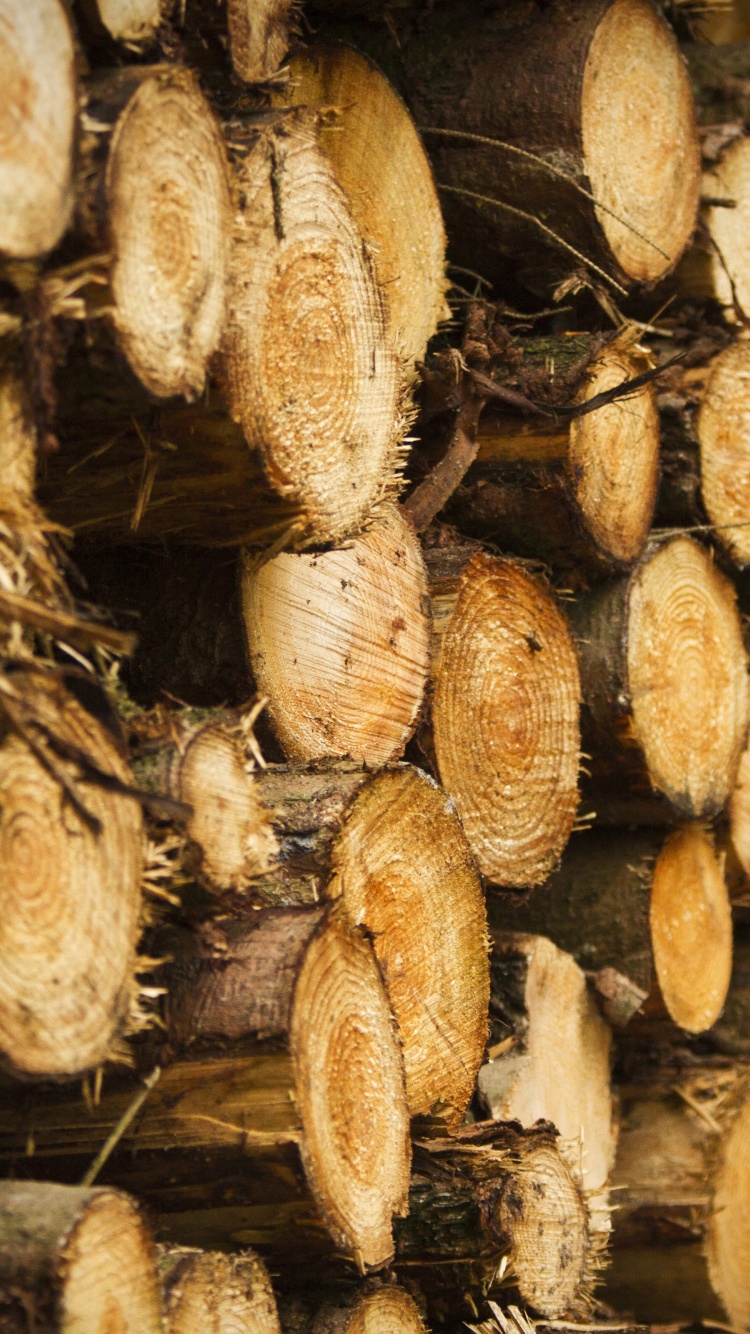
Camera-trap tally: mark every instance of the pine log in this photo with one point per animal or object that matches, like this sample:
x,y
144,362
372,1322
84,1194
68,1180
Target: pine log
x,y
738,840
549,1057
649,916
381,166
664,679
71,863
374,1307
307,355
717,266
134,23
204,759
391,848
339,643
505,711
682,1183
559,82
578,495
255,33
287,1063
155,217
37,127
75,1259
216,1294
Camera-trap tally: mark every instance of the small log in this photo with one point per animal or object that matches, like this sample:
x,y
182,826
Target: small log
x,y
717,266
282,1028
381,165
307,353
550,80
375,1307
682,1182
649,916
578,495
156,202
134,23
543,1019
206,763
73,1258
497,1193
37,127
339,643
71,861
737,841
391,848
504,719
664,678
226,1294
18,434
256,33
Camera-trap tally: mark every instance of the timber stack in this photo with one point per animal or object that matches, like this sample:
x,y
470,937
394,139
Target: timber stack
x,y
374,699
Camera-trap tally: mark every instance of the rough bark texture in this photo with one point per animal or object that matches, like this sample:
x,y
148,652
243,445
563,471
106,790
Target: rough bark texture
x,y
647,916
578,495
543,79
504,715
72,1258
646,716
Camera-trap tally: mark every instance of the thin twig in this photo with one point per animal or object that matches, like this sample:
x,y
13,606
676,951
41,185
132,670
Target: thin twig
x,y
536,222
555,171
125,1120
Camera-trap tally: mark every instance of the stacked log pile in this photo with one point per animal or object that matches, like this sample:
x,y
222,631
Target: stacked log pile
x,y
374,699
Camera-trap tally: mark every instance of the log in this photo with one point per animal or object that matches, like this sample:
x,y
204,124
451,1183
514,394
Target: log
x,y
72,860
549,1054
497,1193
578,495
307,353
550,80
375,1307
18,435
682,1181
717,266
504,718
255,33
156,198
223,1294
204,760
339,643
664,679
134,23
391,849
74,1258
37,127
381,165
287,1065
649,916
738,840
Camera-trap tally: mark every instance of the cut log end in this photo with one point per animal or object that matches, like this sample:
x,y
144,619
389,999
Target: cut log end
x,y
133,22
350,1095
385,1309
543,1210
217,1294
729,1228
613,460
307,353
505,720
404,869
725,449
687,677
380,163
691,929
170,225
72,897
37,125
81,1258
636,95
258,36
230,831
339,644
721,270
739,816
